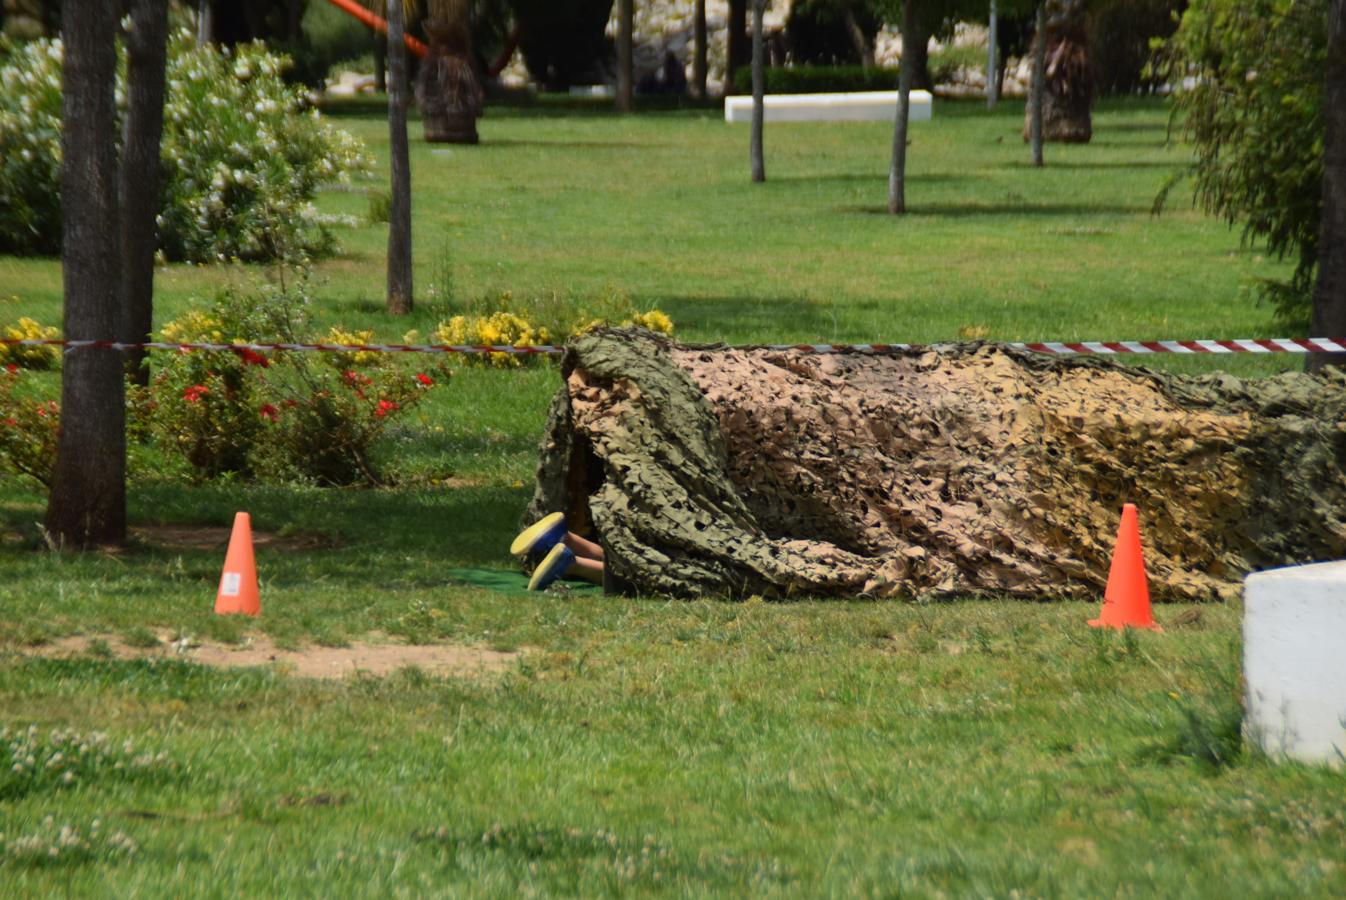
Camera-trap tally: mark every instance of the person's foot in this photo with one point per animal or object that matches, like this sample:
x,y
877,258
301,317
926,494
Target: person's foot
x,y
537,539
552,567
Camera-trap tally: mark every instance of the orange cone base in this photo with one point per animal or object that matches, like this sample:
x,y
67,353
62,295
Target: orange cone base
x,y
1151,626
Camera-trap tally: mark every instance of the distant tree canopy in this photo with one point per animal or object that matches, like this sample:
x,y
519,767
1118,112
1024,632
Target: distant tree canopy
x,y
1251,104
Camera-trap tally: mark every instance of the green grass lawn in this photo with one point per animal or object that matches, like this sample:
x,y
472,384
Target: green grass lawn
x,y
645,746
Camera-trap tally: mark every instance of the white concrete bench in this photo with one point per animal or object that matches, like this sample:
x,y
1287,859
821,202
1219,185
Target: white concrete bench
x,y
864,106
1294,662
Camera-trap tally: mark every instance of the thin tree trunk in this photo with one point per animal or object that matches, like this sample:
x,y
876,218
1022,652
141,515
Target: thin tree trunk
x,y
897,171
146,55
1036,98
399,214
758,91
737,50
205,22
992,66
625,54
1329,293
87,504
700,54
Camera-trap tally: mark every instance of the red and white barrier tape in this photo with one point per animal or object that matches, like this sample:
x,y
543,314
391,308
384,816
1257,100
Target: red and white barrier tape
x,y
1063,348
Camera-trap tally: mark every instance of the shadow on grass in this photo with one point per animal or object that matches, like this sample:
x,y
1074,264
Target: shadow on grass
x,y
776,317
467,525
968,210
877,178
570,144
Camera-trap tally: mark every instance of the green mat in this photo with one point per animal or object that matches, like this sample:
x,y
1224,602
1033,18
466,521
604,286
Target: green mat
x,y
503,581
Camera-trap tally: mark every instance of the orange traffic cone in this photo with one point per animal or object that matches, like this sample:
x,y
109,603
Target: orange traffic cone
x,y
238,583
1126,603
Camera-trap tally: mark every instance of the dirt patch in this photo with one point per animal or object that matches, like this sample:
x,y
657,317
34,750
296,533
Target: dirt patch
x,y
216,537
359,658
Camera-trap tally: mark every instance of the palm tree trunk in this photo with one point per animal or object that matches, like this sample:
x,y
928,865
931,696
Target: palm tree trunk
x,y
625,54
1035,100
897,170
146,54
87,504
758,91
700,54
399,214
1329,293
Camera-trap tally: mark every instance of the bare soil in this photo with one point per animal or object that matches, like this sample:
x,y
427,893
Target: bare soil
x,y
359,658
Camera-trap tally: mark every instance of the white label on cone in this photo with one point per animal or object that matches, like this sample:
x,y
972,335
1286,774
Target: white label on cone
x,y
230,584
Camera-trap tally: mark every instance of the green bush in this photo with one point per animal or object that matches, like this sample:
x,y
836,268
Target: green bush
x,y
1251,106
817,33
819,80
241,159
1120,36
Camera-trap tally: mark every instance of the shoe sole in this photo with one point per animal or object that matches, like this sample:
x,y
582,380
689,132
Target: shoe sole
x,y
552,567
534,534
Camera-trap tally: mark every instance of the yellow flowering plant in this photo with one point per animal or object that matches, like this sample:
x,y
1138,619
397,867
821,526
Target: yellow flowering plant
x,y
31,356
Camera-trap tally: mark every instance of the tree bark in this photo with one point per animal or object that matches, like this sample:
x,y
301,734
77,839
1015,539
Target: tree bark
x,y
399,213
738,51
700,52
758,92
897,170
992,65
964,469
1039,82
625,55
142,131
1329,292
87,504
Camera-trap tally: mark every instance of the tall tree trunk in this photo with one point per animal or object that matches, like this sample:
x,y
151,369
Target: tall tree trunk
x,y
1329,293
992,65
1035,98
625,54
897,170
87,504
738,51
399,213
142,130
700,54
205,22
758,91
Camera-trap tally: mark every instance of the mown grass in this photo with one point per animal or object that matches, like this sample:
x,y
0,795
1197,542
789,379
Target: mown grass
x,y
645,746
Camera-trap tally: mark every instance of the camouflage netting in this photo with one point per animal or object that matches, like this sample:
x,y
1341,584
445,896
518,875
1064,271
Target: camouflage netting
x,y
959,469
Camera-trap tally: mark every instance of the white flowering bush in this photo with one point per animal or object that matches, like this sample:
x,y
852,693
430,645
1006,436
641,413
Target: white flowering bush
x,y
242,159
30,149
32,760
67,844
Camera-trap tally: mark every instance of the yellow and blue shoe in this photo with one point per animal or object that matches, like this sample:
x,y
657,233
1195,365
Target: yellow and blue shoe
x,y
537,539
552,567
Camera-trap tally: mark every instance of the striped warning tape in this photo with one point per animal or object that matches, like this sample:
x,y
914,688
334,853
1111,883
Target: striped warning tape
x,y
1063,348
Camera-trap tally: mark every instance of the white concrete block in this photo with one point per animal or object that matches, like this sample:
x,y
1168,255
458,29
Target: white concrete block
x,y
1294,662
861,106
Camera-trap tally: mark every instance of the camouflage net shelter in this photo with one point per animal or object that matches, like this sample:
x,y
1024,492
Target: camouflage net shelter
x,y
959,469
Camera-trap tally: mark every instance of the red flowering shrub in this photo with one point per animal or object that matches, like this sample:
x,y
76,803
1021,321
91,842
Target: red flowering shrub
x,y
29,429
286,415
